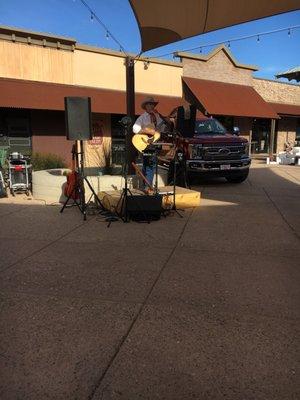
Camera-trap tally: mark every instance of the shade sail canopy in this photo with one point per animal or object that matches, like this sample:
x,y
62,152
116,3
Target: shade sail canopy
x,y
291,74
165,21
289,110
50,96
218,98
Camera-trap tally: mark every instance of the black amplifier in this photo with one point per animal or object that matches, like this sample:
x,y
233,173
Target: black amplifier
x,y
144,208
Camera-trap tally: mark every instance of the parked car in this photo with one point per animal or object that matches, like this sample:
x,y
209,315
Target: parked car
x,y
213,151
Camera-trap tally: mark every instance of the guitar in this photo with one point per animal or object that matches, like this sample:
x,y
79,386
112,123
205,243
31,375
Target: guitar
x,y
142,141
72,178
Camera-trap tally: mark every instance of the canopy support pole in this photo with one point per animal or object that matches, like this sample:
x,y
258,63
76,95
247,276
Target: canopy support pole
x,y
272,138
130,109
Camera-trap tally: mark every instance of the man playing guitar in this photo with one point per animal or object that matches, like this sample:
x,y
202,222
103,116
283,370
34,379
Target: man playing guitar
x,y
149,123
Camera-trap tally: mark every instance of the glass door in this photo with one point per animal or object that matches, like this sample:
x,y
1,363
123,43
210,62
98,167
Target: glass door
x,y
261,131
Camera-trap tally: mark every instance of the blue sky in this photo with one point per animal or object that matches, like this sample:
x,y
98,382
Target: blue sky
x,y
272,54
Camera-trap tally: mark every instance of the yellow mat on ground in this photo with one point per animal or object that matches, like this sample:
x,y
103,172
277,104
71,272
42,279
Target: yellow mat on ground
x,y
185,198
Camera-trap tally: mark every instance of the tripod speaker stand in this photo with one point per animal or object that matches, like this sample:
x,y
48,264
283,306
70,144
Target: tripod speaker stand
x,y
77,191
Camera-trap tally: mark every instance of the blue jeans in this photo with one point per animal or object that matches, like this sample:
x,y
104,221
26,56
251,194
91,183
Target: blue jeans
x,y
149,169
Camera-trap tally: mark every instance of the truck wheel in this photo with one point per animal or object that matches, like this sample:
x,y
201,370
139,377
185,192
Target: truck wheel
x,y
238,177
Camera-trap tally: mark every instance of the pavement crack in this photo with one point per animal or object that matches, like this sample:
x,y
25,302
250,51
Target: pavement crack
x,y
140,310
282,215
43,248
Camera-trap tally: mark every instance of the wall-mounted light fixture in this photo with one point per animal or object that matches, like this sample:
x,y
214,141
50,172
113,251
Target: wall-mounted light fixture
x,y
146,64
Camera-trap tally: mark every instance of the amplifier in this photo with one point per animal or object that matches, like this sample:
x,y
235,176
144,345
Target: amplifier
x,y
144,207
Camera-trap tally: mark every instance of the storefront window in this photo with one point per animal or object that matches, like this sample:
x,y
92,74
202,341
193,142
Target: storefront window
x,y
15,130
117,143
226,121
261,136
298,132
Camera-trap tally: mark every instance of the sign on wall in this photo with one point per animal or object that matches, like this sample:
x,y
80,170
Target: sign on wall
x,y
98,149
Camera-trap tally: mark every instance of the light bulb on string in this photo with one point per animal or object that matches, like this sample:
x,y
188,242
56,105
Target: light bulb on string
x,y
201,50
289,33
92,16
107,35
258,39
229,45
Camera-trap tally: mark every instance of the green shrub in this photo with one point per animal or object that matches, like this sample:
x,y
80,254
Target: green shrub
x,y
41,161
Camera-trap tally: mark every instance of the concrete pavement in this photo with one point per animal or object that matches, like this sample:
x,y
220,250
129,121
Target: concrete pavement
x,y
205,306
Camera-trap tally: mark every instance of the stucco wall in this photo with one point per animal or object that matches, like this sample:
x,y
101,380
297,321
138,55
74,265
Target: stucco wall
x,y
24,61
86,68
159,79
98,151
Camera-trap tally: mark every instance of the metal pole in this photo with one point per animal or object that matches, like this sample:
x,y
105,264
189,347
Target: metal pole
x,y
130,109
250,142
272,138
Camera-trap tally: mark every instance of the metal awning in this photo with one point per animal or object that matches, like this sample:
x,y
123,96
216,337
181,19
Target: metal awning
x,y
291,74
163,22
289,110
19,93
218,98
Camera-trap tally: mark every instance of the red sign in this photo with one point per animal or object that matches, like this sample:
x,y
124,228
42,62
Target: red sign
x,y
97,134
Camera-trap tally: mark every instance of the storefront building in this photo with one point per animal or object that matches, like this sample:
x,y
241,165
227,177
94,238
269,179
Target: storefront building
x,y
38,70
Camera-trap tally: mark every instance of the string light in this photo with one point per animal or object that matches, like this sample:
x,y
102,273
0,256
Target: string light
x,y
108,34
229,41
229,45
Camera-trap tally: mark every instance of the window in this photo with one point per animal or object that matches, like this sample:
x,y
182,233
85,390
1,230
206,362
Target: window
x,y
209,127
117,142
298,132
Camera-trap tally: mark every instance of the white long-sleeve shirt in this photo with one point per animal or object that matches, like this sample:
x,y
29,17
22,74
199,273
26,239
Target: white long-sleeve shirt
x,y
145,120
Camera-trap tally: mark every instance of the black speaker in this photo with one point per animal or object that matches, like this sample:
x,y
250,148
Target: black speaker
x,y
78,118
144,208
186,118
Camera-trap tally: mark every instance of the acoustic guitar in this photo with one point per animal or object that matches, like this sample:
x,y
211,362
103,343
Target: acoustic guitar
x,y
72,178
142,141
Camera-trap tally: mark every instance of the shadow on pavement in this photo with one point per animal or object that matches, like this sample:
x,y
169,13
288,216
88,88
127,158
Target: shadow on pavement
x,y
205,306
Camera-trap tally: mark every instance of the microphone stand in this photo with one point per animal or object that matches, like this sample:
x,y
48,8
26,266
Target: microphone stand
x,y
174,207
126,123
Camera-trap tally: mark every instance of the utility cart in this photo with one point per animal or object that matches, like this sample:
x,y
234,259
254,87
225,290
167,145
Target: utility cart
x,y
18,174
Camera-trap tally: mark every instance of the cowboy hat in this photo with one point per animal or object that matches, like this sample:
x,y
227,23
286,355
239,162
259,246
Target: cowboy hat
x,y
147,101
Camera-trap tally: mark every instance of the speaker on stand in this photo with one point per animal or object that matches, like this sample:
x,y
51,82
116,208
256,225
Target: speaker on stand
x,y
78,118
79,128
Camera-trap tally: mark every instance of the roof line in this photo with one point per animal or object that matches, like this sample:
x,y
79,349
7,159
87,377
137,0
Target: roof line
x,y
276,81
212,54
25,32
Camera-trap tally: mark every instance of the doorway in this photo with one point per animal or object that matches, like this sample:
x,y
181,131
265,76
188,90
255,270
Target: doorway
x,y
261,132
